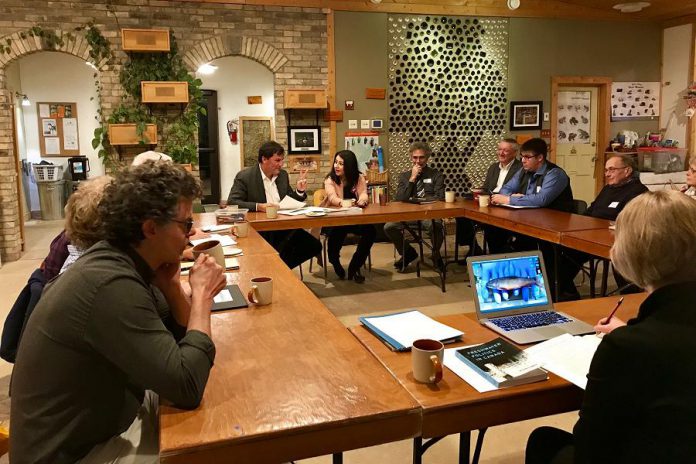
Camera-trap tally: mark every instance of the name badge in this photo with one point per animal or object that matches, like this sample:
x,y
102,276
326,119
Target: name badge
x,y
613,204
538,189
427,181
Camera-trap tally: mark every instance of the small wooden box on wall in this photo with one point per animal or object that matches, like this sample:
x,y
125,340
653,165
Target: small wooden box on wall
x,y
127,134
164,92
305,99
145,40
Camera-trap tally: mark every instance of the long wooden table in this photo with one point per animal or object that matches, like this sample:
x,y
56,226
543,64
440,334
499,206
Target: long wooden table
x,y
453,406
289,382
596,242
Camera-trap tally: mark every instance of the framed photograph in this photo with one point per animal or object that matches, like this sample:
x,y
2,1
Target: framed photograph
x,y
304,140
525,115
300,163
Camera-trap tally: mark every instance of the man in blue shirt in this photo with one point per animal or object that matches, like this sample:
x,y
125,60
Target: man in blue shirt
x,y
539,184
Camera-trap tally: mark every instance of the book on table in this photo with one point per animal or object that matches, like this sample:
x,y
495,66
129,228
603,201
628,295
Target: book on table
x,y
502,363
230,297
400,330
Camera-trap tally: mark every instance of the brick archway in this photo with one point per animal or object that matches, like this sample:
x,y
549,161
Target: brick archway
x,y
221,46
22,43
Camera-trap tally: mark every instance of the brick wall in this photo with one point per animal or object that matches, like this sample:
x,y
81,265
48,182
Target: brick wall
x,y
290,41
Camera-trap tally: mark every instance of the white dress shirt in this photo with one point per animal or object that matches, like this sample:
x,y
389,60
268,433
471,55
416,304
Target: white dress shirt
x,y
501,177
270,187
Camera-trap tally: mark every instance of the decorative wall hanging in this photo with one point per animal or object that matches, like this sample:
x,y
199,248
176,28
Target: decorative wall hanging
x,y
635,100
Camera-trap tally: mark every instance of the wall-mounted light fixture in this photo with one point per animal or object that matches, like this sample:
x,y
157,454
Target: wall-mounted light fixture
x,y
206,69
25,99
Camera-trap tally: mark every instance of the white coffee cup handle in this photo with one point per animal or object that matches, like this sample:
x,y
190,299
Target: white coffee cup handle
x,y
437,369
253,295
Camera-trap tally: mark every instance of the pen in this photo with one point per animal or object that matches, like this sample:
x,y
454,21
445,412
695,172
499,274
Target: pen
x,y
618,303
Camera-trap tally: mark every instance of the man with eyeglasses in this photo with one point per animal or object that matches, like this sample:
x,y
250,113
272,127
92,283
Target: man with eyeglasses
x,y
116,331
621,186
419,182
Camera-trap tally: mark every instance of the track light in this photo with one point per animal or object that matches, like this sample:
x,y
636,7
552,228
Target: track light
x,y
25,99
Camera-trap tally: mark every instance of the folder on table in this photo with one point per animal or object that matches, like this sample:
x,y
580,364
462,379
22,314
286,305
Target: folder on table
x,y
400,330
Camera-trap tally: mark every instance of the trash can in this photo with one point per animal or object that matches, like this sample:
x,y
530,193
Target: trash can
x,y
52,199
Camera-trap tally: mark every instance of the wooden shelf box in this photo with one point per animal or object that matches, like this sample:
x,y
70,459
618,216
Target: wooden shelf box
x,y
164,92
145,40
306,99
126,134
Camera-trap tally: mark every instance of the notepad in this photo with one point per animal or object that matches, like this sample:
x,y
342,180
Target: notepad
x,y
567,356
230,297
516,206
231,264
400,330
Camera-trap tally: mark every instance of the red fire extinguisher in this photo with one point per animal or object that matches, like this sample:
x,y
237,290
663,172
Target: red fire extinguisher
x,y
232,128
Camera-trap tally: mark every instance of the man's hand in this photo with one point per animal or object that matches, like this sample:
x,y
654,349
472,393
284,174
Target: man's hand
x,y
302,181
262,206
415,172
167,278
499,199
206,278
601,327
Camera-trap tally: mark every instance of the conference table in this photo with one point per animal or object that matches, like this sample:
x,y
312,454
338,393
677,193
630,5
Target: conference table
x,y
453,406
596,242
289,381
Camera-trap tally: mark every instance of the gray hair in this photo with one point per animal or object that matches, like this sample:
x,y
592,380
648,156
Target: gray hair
x,y
627,160
512,142
420,146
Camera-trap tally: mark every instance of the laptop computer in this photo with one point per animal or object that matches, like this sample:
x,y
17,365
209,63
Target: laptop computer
x,y
512,298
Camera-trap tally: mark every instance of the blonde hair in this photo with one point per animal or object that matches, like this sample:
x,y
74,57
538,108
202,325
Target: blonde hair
x,y
654,243
82,220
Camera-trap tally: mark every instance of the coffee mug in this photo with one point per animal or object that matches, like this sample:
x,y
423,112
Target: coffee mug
x,y
271,211
426,356
449,196
241,228
476,193
347,203
211,248
261,292
484,200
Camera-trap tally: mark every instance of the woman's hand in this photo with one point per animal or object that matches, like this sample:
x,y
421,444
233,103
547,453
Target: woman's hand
x,y
361,203
603,327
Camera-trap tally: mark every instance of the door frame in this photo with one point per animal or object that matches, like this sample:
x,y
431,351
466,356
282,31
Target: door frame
x,y
18,173
603,86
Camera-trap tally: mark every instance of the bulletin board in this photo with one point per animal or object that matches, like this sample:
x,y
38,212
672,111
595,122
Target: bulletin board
x,y
58,134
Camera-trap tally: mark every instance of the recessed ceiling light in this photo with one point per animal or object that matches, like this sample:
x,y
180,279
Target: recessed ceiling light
x,y
513,4
632,7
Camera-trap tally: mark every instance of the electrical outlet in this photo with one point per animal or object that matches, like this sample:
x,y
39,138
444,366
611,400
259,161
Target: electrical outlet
x,y
546,116
352,124
364,123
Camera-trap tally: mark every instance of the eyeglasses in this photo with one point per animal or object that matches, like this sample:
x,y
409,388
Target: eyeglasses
x,y
188,224
612,169
529,156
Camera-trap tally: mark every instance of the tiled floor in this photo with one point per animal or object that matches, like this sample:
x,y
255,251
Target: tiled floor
x,y
383,291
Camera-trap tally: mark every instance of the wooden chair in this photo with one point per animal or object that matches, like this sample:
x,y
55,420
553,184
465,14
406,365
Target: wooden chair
x,y
318,197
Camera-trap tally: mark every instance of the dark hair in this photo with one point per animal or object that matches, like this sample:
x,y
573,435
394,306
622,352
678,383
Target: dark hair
x,y
420,146
536,146
270,148
350,169
151,190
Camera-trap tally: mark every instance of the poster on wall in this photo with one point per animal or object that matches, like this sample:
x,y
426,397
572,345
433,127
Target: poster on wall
x,y
574,117
635,101
364,144
70,134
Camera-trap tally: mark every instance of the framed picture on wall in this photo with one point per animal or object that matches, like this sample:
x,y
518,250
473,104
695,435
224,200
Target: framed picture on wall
x,y
304,140
525,115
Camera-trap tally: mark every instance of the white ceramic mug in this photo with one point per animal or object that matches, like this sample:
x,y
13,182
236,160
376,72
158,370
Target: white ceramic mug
x,y
211,248
271,211
241,228
449,196
426,356
347,203
261,292
484,200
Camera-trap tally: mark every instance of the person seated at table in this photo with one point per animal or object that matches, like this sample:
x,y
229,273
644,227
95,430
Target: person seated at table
x,y
498,174
345,182
621,187
539,184
257,187
421,181
690,188
640,402
115,330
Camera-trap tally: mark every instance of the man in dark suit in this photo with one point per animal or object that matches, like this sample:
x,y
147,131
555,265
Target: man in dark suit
x,y
257,187
499,173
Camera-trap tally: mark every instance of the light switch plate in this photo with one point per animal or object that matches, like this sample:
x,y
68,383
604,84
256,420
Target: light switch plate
x,y
546,116
352,124
364,123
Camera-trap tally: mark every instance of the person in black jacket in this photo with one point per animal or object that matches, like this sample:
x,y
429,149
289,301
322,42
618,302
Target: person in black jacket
x,y
621,187
256,187
640,402
498,174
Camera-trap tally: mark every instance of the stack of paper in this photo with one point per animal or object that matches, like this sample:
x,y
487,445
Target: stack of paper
x,y
400,330
225,240
567,356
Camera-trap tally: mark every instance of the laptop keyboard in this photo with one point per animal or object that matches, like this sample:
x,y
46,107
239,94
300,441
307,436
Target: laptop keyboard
x,y
528,321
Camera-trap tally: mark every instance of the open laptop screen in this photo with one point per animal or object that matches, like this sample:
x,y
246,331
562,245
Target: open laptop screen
x,y
506,283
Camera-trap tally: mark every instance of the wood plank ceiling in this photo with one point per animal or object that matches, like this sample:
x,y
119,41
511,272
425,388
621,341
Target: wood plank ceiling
x,y
663,11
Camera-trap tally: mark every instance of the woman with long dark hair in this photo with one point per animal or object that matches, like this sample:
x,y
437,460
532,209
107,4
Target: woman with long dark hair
x,y
345,182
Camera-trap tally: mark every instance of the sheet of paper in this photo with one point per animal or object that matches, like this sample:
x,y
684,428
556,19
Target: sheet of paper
x,y
217,228
50,129
52,145
517,206
290,203
231,263
70,134
567,356
303,210
407,327
466,373
44,111
225,240
232,251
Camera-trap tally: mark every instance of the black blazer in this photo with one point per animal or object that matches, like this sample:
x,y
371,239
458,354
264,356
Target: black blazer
x,y
247,189
494,171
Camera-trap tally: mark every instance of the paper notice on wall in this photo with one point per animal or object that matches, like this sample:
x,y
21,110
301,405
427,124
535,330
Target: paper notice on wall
x,y
574,117
364,145
52,145
70,134
44,111
50,129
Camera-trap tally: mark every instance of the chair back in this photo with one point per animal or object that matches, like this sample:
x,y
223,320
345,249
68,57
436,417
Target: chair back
x,y
579,206
319,197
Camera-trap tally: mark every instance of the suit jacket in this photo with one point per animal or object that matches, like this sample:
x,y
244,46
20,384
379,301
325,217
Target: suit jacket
x,y
247,189
431,183
494,171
